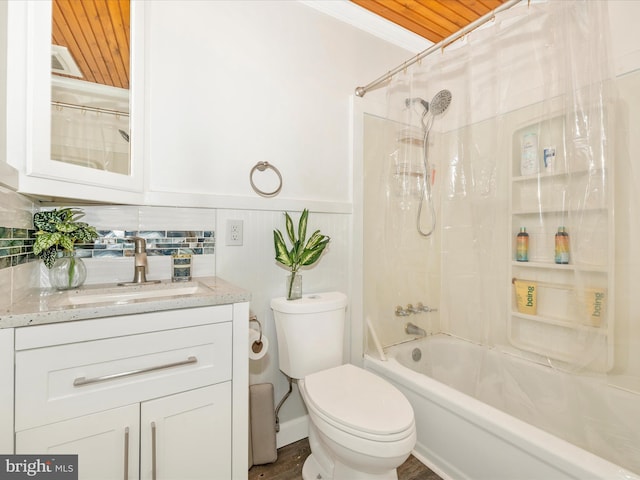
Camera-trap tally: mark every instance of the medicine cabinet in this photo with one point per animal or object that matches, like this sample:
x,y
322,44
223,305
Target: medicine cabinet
x,y
56,163
570,317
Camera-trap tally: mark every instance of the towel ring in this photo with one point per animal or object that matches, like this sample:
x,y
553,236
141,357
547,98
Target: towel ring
x,y
262,166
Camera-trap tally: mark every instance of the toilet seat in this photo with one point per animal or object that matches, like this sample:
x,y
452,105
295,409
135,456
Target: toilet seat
x,y
359,403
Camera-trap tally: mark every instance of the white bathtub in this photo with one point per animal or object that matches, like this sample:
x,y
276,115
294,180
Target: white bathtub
x,y
466,399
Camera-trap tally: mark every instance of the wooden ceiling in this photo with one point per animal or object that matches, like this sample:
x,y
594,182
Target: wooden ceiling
x,y
96,32
434,20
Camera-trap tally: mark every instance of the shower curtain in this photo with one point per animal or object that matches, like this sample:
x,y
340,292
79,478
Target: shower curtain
x,y
90,138
525,147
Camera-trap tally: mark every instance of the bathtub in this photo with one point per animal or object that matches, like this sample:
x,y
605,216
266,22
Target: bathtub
x,y
476,408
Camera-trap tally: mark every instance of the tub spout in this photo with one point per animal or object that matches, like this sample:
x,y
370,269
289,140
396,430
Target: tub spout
x,y
411,329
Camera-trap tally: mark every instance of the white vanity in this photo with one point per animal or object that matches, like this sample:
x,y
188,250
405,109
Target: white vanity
x,y
146,388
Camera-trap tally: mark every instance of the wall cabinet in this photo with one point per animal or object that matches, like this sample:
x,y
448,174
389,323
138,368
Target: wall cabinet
x,y
570,318
146,396
29,106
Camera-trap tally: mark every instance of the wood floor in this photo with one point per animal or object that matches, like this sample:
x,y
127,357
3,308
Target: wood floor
x,y
290,460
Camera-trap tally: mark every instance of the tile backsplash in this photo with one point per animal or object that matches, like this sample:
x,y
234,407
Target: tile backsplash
x,y
167,231
115,243
16,245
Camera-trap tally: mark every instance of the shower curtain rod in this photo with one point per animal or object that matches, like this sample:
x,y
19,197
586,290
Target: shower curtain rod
x,y
360,91
85,108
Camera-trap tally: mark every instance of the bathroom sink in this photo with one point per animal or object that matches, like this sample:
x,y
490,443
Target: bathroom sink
x,y
128,293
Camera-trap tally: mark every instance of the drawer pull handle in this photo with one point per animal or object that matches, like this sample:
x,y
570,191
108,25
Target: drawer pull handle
x,y
80,381
126,453
154,465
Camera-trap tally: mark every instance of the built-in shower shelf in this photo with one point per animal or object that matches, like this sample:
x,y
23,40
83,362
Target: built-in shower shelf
x,y
567,325
558,210
546,176
560,322
559,266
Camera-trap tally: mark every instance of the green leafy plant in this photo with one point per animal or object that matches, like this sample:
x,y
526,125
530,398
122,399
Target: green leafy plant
x,y
59,230
300,254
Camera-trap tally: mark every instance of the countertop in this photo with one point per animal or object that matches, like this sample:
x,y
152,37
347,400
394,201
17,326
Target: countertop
x,y
93,301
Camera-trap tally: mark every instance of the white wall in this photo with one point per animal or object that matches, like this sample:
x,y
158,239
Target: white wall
x,y
625,36
253,266
254,81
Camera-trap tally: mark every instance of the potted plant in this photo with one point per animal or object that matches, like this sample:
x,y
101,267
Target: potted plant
x,y
300,254
57,231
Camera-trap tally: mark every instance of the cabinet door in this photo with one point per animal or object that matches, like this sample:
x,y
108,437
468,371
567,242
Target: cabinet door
x,y
187,435
6,394
106,443
91,166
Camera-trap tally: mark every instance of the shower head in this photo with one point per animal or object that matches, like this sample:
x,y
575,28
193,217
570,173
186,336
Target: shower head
x,y
409,101
124,135
440,102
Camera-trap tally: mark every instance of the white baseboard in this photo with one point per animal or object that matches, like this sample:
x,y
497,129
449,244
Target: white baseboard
x,y
292,430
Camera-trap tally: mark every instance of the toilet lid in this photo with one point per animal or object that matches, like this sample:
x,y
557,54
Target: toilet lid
x,y
359,399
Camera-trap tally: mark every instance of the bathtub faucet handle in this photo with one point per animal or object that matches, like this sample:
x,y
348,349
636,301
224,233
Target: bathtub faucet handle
x,y
416,309
401,312
425,308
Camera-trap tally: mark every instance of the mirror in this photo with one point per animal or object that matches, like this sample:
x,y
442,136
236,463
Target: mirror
x,y
90,84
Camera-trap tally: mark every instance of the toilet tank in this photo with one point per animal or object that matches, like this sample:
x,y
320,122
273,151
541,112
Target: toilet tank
x,y
310,332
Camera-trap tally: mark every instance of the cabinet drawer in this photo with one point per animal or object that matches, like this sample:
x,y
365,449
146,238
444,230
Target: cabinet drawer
x,y
66,381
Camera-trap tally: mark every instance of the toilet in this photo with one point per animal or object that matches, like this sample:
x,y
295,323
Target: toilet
x,y
360,426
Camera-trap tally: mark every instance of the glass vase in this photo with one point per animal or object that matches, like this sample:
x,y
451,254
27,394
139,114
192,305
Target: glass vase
x,y
294,286
67,272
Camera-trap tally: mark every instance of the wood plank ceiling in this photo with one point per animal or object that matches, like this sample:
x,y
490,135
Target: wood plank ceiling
x,y
434,20
96,32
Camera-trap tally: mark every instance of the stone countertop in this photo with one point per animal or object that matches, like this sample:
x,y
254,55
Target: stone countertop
x,y
93,301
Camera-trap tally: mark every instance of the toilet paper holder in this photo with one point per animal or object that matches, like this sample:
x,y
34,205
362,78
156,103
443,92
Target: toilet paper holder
x,y
254,318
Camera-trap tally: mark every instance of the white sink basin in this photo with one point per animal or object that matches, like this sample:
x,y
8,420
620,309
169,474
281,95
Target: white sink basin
x,y
128,293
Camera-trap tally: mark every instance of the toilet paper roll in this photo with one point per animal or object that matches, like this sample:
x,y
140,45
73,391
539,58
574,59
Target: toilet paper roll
x,y
257,350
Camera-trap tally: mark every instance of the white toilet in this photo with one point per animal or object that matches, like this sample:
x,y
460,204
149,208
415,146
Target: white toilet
x,y
361,427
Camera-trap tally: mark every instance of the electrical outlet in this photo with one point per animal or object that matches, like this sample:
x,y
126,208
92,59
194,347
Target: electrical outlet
x,y
234,232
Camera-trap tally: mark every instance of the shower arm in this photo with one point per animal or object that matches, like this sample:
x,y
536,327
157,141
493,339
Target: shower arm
x,y
361,91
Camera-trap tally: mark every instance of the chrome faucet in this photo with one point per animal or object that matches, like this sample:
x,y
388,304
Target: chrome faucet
x,y
419,308
411,329
141,264
425,308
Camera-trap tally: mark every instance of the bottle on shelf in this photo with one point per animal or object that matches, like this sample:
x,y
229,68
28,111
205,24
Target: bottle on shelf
x,y
562,246
529,159
522,245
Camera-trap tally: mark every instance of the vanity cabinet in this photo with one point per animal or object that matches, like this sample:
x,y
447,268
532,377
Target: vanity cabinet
x,y
571,316
106,442
142,396
6,393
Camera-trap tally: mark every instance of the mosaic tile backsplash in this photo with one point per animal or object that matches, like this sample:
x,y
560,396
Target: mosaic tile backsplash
x,y
16,244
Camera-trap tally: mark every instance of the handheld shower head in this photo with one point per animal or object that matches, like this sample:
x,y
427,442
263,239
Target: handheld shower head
x,y
440,102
